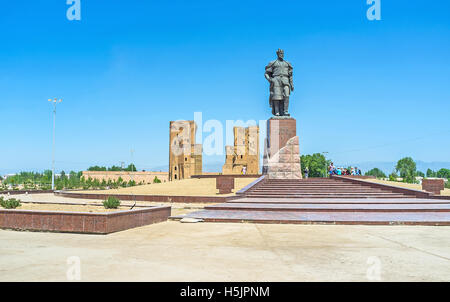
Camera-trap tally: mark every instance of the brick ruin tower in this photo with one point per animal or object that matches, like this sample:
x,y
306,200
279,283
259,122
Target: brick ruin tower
x,y
244,153
185,156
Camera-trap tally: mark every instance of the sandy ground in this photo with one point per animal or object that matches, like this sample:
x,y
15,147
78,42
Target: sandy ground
x,y
185,187
406,185
173,251
96,205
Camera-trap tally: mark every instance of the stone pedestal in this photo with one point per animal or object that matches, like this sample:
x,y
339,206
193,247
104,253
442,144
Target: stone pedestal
x,y
281,149
225,184
433,185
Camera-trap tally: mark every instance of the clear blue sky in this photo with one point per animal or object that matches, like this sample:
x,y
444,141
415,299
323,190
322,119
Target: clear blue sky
x,y
364,90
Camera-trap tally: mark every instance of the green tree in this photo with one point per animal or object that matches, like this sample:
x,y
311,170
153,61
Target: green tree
x,y
443,173
47,177
131,167
115,168
376,172
316,163
431,173
406,167
96,183
97,168
89,182
420,173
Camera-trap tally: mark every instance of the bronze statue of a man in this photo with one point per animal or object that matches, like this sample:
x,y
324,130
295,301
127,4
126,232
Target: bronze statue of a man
x,y
279,75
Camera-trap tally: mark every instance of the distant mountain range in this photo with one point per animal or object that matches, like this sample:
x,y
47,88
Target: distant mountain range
x,y
386,167
207,167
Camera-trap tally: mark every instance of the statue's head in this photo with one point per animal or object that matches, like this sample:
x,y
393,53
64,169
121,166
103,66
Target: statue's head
x,y
280,53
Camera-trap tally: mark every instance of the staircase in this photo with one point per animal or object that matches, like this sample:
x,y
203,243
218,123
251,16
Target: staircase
x,y
327,201
317,188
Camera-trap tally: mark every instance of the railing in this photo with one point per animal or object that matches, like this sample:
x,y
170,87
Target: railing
x,y
258,181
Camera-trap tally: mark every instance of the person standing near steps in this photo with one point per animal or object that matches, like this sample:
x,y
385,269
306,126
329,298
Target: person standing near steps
x,y
306,172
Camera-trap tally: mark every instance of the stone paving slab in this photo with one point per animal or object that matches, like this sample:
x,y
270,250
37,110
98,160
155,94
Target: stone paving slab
x,y
297,217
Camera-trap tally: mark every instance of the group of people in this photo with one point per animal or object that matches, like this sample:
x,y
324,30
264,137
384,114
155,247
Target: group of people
x,y
332,170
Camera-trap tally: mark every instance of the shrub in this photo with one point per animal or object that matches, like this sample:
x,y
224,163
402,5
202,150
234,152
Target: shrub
x,y
393,177
156,180
9,203
111,203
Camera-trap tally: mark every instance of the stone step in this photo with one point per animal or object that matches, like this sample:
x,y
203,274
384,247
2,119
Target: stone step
x,y
308,183
318,193
322,193
324,217
327,196
304,180
311,185
317,189
299,182
331,207
287,200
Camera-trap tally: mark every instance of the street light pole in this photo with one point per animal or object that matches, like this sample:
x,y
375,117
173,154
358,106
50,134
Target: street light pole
x,y
54,101
326,165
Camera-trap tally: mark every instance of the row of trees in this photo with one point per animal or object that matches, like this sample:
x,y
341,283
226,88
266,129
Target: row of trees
x,y
73,180
406,168
43,181
131,167
442,173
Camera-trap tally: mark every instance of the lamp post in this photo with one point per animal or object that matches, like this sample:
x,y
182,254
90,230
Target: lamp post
x,y
326,166
54,101
131,177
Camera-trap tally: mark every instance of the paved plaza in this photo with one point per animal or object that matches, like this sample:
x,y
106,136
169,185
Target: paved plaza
x,y
174,251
